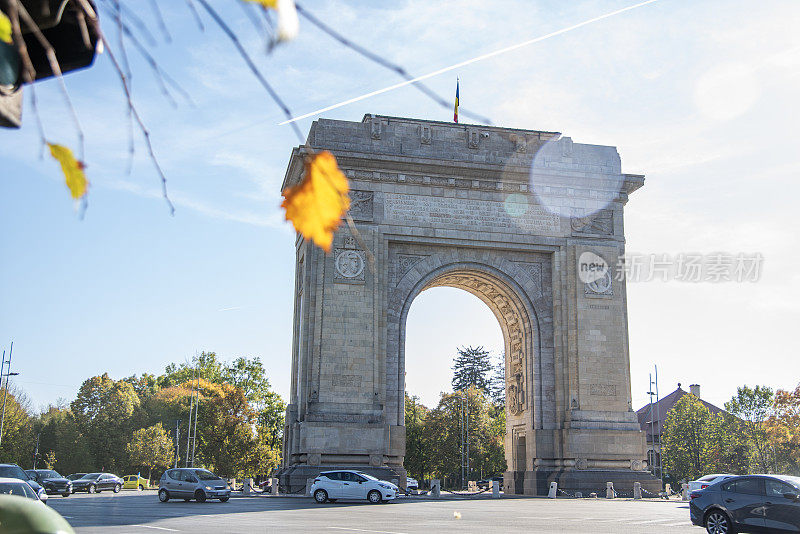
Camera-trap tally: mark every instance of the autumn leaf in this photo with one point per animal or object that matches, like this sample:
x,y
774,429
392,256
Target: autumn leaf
x,y
5,29
317,204
72,169
288,24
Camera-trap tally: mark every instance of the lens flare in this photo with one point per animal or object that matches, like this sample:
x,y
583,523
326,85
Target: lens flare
x,y
576,180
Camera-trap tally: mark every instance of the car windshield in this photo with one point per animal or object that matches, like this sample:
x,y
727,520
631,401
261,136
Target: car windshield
x,y
75,476
202,474
49,474
91,475
13,471
17,488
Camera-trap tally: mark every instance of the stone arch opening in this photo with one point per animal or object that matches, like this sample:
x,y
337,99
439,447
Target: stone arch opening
x,y
440,321
519,324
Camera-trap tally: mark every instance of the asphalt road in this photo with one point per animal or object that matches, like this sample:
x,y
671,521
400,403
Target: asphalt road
x,y
131,512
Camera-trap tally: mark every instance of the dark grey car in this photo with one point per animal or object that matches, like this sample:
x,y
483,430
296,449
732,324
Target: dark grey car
x,y
51,481
753,503
97,482
191,483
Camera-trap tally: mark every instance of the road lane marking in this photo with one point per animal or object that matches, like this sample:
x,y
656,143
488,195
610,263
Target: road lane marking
x,y
158,528
363,530
653,521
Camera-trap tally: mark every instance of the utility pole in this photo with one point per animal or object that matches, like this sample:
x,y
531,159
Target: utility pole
x,y
36,451
7,374
652,425
177,441
196,409
658,417
189,428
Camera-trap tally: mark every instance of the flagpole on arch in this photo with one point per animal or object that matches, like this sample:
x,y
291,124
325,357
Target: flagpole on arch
x,y
455,110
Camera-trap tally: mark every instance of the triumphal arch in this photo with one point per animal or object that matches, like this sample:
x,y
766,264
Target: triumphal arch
x,y
529,222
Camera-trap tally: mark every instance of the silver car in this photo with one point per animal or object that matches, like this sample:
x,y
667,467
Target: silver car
x,y
191,483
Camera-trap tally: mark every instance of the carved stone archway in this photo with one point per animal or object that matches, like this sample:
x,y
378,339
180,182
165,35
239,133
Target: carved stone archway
x,y
442,204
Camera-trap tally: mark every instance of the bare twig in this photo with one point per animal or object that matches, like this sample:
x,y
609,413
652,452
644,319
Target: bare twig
x,y
196,15
116,13
160,19
385,63
39,124
56,68
142,127
248,8
242,52
137,22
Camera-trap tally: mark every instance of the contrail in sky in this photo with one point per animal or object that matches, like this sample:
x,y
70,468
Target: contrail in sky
x,y
470,61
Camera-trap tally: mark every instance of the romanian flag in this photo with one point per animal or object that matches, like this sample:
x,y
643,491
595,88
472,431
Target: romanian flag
x,y
455,111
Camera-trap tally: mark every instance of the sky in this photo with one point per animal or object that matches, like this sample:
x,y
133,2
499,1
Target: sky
x,y
699,96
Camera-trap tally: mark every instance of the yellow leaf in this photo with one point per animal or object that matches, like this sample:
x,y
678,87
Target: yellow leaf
x,y
317,204
273,4
288,24
5,29
72,169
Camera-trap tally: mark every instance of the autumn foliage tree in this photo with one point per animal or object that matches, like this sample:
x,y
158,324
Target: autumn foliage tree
x,y
783,431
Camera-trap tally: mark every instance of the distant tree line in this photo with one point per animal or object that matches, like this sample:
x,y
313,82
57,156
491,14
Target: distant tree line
x,y
433,435
129,425
759,432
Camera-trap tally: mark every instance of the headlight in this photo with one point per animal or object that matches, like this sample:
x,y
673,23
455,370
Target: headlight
x,y
208,487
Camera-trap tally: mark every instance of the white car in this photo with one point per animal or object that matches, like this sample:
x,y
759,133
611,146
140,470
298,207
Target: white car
x,y
706,481
332,485
411,485
15,486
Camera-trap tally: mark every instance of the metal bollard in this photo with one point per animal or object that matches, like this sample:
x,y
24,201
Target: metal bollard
x,y
609,490
685,492
248,486
436,488
668,489
579,495
275,486
309,482
553,490
637,490
495,489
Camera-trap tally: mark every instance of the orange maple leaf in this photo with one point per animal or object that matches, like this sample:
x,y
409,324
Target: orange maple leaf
x,y
317,204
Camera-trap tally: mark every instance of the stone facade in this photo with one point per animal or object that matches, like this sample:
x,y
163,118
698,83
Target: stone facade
x,y
504,214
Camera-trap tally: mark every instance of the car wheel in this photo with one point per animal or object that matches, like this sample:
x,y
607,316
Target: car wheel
x,y
224,499
374,497
717,522
91,489
141,488
117,488
200,496
320,496
163,495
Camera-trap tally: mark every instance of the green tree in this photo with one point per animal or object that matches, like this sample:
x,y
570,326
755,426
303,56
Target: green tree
x,y
754,407
497,382
472,367
417,459
103,410
151,447
58,431
442,436
691,439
